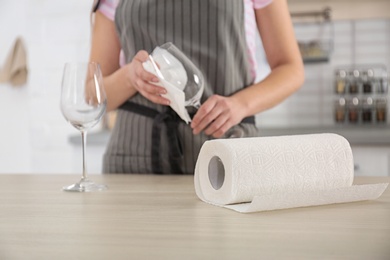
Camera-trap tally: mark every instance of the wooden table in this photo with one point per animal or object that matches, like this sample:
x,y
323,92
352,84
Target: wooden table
x,y
160,217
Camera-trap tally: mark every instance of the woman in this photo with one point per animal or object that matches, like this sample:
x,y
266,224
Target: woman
x,y
218,36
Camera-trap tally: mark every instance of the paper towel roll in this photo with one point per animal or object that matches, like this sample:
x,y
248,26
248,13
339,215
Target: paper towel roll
x,y
266,173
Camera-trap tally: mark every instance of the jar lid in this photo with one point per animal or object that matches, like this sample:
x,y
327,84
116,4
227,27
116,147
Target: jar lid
x,y
368,101
342,73
353,102
342,101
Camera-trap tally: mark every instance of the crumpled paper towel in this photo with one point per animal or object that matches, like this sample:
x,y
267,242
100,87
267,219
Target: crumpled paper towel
x,y
268,173
15,69
174,79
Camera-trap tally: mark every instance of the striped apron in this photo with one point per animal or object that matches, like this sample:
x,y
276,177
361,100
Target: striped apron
x,y
212,34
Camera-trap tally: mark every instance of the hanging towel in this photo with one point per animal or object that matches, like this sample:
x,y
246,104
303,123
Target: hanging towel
x,y
15,69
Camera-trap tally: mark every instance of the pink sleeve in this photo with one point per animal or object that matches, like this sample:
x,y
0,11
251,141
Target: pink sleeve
x,y
108,7
257,4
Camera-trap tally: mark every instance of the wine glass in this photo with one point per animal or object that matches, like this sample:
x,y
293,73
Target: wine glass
x,y
172,65
83,103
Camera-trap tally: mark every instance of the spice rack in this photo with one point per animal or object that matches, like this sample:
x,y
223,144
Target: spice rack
x,y
361,94
314,31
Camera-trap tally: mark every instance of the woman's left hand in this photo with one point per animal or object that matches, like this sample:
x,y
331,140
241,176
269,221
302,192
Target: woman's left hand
x,y
217,115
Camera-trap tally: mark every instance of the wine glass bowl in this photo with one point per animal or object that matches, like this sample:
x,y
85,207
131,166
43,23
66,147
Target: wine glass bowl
x,y
83,104
172,65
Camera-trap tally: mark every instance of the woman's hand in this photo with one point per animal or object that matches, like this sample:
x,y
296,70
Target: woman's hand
x,y
143,80
217,115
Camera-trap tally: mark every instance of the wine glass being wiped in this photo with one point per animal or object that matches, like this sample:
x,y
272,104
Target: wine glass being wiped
x,y
174,68
83,103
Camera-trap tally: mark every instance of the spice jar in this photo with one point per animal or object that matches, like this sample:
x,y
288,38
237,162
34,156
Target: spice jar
x,y
381,110
368,81
354,82
340,110
383,85
367,110
341,77
353,110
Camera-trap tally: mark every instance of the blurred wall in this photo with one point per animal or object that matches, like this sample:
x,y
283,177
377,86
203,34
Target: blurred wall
x,y
33,133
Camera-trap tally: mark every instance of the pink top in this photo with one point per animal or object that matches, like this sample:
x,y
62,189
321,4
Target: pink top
x,y
108,7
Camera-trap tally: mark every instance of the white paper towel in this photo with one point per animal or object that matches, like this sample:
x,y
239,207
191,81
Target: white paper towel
x,y
267,173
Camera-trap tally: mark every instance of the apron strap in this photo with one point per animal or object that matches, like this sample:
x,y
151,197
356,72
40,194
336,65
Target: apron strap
x,y
171,120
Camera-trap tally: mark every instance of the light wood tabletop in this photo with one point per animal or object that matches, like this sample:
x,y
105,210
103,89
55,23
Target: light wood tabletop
x,y
160,217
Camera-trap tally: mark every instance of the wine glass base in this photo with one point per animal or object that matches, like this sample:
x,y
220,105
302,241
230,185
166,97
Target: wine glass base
x,y
85,186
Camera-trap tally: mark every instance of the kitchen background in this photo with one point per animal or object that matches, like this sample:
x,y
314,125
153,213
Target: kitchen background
x,y
35,138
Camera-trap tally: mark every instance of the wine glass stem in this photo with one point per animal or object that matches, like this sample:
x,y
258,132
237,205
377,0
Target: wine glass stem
x,y
196,104
84,145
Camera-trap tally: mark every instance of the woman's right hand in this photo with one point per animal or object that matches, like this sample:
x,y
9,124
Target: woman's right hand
x,y
143,80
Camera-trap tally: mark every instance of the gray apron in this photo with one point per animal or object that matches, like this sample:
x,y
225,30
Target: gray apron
x,y
212,34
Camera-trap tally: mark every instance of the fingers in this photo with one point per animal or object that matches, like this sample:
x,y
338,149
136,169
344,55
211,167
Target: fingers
x,y
206,114
157,99
141,56
145,75
140,72
152,92
219,126
143,80
145,86
214,117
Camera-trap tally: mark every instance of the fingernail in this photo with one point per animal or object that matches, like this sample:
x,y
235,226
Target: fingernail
x,y
155,79
167,102
163,91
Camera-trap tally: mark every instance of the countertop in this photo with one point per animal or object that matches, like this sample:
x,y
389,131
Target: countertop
x,y
160,217
356,135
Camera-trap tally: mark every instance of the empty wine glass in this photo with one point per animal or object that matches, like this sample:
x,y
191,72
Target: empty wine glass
x,y
172,65
83,103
